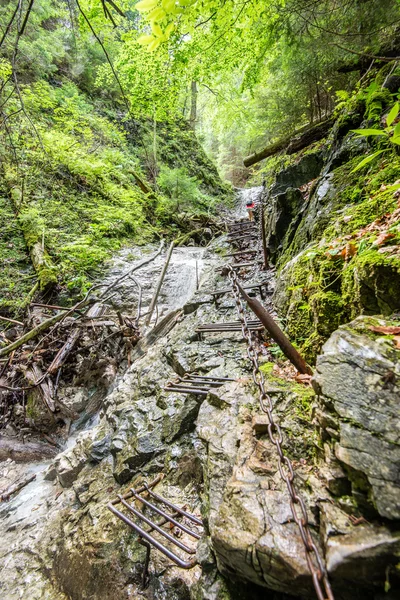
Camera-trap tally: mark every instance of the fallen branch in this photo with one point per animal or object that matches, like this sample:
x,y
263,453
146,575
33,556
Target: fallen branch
x,y
40,328
17,486
10,320
61,356
36,379
159,283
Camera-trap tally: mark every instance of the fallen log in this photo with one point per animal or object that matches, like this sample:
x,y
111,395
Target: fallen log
x,y
15,487
25,451
296,141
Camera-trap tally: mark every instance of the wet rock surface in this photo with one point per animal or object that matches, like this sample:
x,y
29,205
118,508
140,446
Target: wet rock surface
x,y
217,461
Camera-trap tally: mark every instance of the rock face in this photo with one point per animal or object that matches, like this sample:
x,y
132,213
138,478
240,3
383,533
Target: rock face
x,y
216,459
358,378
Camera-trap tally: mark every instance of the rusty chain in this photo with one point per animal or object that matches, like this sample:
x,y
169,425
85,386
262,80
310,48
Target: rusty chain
x,y
297,505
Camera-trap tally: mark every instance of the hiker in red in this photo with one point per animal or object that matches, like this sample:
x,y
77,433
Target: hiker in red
x,y
250,209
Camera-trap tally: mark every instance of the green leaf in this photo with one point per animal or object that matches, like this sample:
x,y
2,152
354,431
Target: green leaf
x,y
395,140
168,5
157,31
396,131
366,132
393,114
367,160
143,40
158,14
146,5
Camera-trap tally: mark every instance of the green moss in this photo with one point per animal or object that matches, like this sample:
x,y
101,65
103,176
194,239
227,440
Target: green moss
x,y
17,276
376,102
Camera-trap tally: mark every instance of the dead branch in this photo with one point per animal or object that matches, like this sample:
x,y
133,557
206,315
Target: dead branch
x,y
60,358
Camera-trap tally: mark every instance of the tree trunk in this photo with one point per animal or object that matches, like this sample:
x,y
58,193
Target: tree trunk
x,y
193,105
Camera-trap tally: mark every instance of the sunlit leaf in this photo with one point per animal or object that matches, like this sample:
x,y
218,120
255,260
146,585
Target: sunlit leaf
x,y
145,5
169,29
156,29
396,131
393,114
395,140
367,160
153,45
366,132
168,5
158,14
143,40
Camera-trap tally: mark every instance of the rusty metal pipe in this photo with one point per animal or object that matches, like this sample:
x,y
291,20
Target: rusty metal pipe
x,y
156,527
141,489
212,377
164,514
183,390
174,507
149,538
276,333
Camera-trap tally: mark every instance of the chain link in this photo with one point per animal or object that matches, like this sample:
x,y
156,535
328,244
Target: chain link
x,y
298,508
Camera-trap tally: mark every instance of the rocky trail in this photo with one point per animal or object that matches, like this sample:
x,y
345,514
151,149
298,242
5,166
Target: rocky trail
x,y
210,455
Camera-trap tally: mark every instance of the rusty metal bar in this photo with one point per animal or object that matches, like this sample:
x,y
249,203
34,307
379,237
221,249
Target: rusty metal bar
x,y
241,237
239,265
240,253
229,290
228,323
156,527
174,507
165,515
276,333
183,390
149,538
247,231
211,377
140,489
201,382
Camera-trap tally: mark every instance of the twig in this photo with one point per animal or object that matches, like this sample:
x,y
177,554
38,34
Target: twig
x,y
10,320
381,58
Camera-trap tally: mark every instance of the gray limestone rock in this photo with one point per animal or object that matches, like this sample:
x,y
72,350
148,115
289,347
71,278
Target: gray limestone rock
x,y
358,379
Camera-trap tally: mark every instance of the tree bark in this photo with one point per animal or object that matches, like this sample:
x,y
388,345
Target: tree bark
x,y
193,105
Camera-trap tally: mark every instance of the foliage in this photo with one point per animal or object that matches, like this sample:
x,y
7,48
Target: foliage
x,y
390,134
